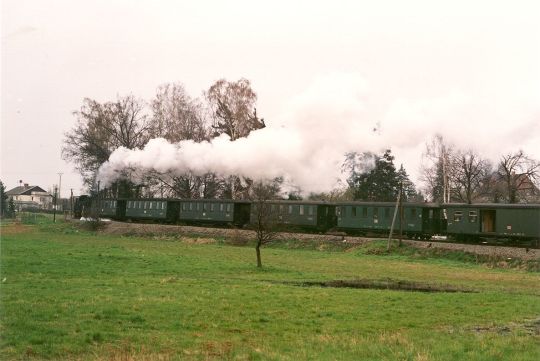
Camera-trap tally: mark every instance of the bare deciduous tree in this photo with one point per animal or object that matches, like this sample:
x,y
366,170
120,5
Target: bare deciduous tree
x,y
436,174
264,217
518,171
234,113
469,176
176,116
100,129
233,108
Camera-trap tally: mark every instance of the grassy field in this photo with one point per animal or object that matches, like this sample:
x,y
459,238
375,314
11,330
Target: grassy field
x,y
71,294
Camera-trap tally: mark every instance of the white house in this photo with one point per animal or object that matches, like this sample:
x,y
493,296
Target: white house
x,y
26,196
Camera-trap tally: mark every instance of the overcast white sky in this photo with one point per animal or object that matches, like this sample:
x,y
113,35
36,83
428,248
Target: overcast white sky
x,y
427,66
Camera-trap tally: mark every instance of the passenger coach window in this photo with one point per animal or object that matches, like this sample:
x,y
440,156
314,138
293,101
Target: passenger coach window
x,y
221,207
290,209
375,213
301,210
364,212
387,213
353,211
458,216
413,213
228,207
472,216
211,207
310,210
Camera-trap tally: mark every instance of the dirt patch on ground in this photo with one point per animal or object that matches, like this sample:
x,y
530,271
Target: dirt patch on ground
x,y
531,327
384,284
14,228
199,240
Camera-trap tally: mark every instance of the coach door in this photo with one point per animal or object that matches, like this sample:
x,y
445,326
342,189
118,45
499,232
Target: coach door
x,y
488,221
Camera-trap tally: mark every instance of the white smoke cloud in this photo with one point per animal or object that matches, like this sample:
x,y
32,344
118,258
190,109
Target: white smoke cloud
x,y
333,116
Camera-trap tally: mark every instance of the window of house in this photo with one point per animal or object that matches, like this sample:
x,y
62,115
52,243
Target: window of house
x,y
473,216
457,216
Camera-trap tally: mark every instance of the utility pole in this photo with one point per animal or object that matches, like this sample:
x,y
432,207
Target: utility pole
x,y
71,203
398,201
55,203
60,185
98,206
400,213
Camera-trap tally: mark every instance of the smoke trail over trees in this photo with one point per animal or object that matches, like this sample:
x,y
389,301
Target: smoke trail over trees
x,y
334,116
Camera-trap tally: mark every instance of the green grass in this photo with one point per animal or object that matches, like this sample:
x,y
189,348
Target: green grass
x,y
71,294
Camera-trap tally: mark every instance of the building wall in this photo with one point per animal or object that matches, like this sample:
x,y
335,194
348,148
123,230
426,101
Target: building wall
x,y
43,200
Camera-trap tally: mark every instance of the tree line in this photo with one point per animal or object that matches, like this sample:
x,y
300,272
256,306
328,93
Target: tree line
x,y
225,108
448,174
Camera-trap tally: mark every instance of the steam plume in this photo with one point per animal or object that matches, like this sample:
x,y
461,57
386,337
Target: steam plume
x,y
307,144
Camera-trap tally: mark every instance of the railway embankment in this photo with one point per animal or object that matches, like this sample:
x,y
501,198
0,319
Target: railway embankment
x,y
243,236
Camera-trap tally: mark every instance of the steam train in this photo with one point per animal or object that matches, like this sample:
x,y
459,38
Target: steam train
x,y
506,223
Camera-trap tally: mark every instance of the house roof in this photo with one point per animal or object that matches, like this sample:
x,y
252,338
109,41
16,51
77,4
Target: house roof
x,y
22,190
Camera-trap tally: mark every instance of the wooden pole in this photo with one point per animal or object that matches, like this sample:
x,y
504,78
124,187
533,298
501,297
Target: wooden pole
x,y
394,220
400,214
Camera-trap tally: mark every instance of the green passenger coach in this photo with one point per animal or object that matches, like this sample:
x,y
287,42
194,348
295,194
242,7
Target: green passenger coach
x,y
113,208
214,211
158,209
299,214
517,221
419,220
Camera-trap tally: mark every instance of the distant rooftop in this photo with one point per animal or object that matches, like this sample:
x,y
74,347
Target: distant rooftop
x,y
25,190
